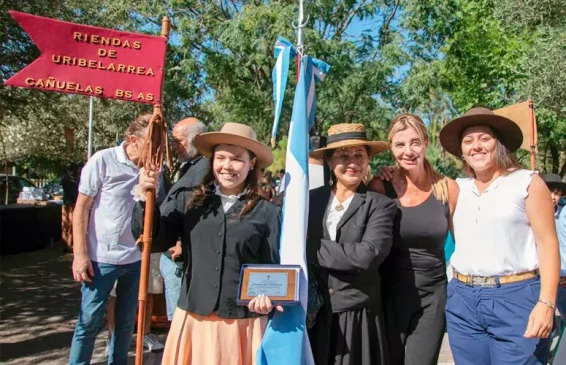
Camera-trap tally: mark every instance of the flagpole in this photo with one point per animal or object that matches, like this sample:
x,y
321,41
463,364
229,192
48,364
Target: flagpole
x,y
152,156
300,37
532,139
90,122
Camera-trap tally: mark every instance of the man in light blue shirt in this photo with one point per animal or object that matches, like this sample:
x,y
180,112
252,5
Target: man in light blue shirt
x,y
104,249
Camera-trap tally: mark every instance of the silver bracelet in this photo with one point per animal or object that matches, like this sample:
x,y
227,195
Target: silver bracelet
x,y
548,303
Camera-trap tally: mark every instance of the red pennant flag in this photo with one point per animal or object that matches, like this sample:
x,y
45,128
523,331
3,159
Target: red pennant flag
x,y
80,59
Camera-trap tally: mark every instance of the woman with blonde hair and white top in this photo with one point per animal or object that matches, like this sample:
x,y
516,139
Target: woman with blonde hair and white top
x,y
500,302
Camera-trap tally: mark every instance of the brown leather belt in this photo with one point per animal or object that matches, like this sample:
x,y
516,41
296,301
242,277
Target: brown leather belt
x,y
562,281
492,281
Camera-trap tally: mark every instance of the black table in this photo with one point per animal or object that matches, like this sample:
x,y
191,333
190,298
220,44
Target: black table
x,y
25,228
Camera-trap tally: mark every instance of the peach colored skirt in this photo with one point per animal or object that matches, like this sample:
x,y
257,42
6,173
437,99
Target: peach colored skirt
x,y
211,340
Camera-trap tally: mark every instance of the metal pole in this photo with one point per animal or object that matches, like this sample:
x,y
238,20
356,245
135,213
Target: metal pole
x,y
532,139
90,127
300,37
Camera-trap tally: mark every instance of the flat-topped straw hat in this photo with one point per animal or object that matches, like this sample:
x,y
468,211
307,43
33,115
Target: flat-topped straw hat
x,y
346,135
235,134
509,132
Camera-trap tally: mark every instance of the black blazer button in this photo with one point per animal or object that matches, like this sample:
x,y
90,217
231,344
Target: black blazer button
x,y
331,291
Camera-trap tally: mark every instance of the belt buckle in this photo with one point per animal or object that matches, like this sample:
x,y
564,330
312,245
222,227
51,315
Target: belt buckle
x,y
483,281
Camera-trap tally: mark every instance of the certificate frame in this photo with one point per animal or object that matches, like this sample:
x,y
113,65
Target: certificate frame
x,y
292,272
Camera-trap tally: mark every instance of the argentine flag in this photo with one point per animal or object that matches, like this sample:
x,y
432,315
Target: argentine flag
x,y
284,50
286,341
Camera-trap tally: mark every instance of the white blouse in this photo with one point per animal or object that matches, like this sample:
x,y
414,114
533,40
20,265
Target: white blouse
x,y
227,200
334,215
492,231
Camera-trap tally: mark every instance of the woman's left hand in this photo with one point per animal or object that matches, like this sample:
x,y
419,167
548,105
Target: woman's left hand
x,y
262,305
540,322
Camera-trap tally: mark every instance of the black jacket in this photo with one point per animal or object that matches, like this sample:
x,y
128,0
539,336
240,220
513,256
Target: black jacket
x,y
192,174
347,269
217,245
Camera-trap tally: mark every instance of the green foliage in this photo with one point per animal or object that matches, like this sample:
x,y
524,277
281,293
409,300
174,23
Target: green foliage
x,y
435,58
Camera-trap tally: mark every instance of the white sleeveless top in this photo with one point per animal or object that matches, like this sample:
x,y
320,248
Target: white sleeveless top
x,y
492,231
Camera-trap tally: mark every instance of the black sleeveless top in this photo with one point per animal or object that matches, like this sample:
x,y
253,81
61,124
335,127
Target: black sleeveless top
x,y
419,234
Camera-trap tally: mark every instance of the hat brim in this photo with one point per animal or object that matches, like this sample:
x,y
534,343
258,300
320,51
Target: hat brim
x,y
375,147
556,185
206,142
451,134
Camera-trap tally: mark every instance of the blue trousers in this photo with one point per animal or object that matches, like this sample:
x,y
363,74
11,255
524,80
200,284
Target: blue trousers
x,y
93,307
486,325
172,277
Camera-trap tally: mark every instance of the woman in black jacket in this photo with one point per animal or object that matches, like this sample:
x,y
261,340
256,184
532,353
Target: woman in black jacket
x,y
350,232
223,224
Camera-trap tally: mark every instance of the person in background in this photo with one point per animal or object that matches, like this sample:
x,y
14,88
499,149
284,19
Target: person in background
x,y
167,267
70,185
414,273
501,300
155,286
194,167
557,189
223,224
266,186
104,249
281,181
350,232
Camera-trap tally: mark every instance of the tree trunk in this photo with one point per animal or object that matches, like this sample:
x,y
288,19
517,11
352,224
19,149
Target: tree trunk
x,y
555,154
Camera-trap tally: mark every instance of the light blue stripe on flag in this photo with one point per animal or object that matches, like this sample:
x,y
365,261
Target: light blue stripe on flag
x,y
316,71
284,50
286,341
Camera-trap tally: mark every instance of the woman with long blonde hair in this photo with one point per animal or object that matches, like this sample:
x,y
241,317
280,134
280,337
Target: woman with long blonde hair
x,y
414,274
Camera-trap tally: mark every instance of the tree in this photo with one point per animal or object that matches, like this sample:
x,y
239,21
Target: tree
x,y
493,54
33,123
434,58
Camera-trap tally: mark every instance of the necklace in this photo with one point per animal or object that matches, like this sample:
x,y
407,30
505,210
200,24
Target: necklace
x,y
339,208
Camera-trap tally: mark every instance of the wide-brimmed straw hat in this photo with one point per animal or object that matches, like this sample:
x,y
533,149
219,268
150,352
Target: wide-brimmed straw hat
x,y
508,131
553,181
235,134
346,135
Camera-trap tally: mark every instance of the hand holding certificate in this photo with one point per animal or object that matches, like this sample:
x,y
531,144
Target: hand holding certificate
x,y
262,305
263,286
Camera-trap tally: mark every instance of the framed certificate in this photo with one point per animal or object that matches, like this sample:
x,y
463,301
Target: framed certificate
x,y
278,282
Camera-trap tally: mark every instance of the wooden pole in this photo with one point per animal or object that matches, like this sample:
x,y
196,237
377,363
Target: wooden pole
x,y
152,157
532,139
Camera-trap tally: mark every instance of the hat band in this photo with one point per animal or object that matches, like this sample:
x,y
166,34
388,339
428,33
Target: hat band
x,y
344,136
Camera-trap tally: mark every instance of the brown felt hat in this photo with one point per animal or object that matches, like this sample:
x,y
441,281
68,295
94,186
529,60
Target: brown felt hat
x,y
235,134
508,131
346,135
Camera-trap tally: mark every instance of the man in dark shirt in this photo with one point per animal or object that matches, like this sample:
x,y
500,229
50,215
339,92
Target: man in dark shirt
x,y
193,169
